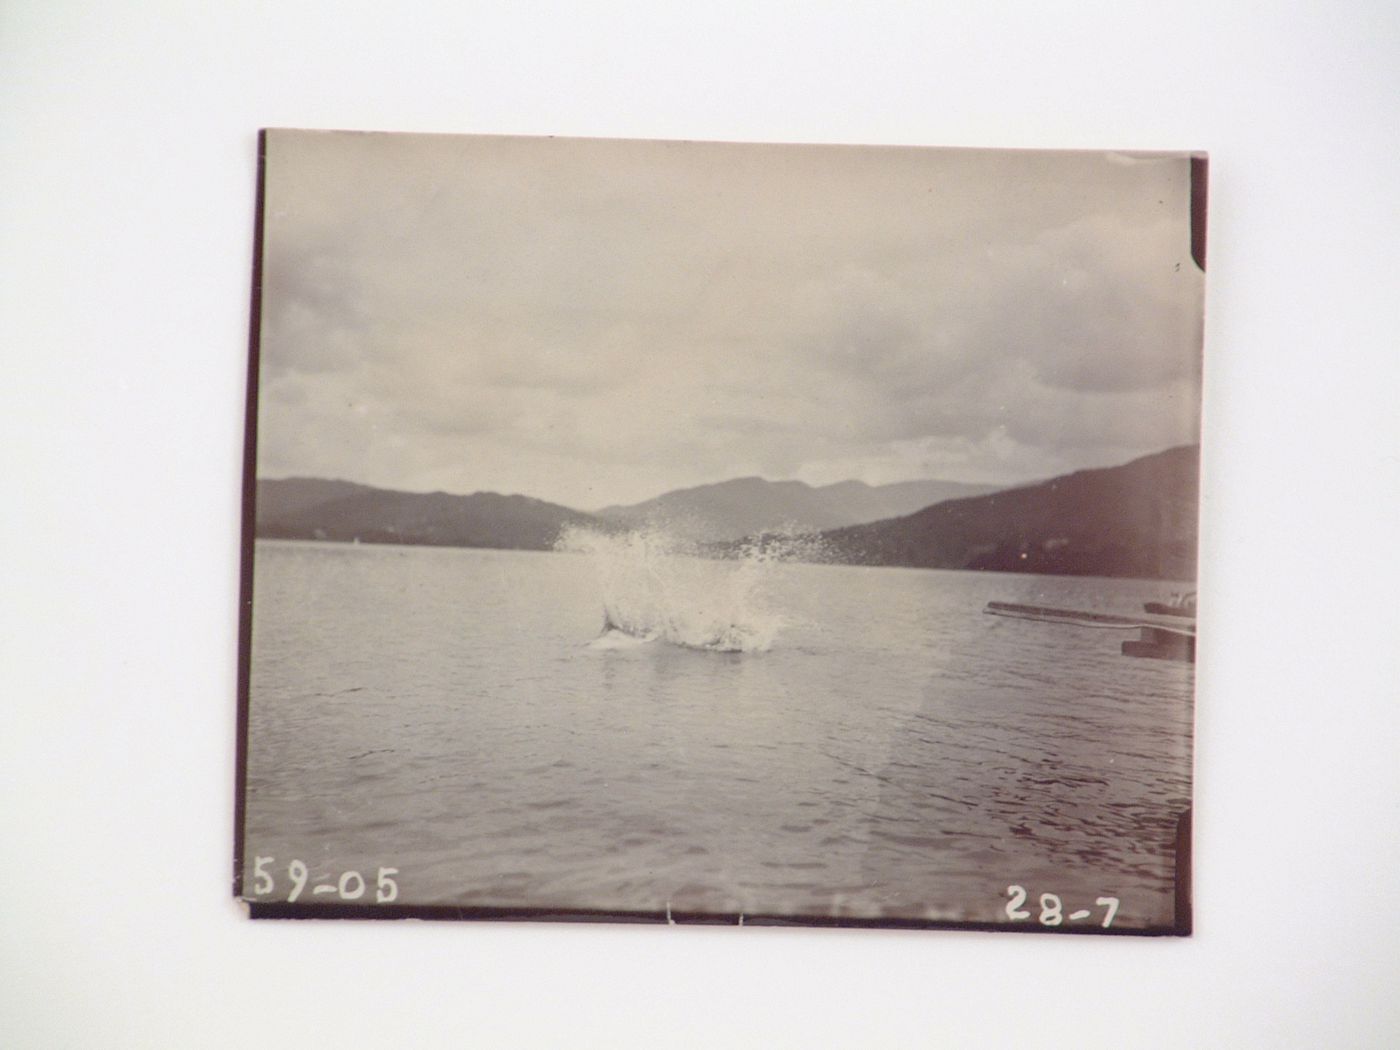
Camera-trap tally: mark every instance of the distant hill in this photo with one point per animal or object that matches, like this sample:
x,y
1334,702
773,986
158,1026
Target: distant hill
x,y
316,509
277,500
730,510
1135,520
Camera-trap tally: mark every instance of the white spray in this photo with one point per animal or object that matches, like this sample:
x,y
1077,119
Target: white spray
x,y
656,587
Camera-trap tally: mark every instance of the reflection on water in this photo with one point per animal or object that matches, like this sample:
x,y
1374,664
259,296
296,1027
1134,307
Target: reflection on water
x,y
894,753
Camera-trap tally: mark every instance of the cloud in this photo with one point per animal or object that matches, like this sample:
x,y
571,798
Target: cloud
x,y
582,319
1103,305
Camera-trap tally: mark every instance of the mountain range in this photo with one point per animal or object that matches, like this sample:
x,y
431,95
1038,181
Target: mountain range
x,y
1138,519
317,509
731,510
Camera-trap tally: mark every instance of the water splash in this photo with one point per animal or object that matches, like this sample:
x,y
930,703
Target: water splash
x,y
656,586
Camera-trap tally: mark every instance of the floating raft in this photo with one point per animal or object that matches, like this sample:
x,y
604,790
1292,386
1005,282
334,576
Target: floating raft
x,y
1160,639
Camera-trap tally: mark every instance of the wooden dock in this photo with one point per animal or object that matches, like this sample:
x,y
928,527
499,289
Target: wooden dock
x,y
1160,638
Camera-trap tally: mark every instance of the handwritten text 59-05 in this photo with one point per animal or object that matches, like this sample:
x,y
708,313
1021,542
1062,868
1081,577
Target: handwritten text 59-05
x,y
349,886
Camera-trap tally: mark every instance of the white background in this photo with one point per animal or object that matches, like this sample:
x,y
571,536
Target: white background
x,y
127,136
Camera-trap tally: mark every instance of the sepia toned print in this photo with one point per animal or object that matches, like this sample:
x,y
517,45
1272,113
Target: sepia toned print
x,y
705,532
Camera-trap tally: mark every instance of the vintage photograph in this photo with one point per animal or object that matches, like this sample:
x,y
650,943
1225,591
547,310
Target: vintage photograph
x,y
729,533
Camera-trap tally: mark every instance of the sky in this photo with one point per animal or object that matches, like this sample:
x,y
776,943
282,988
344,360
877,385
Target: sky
x,y
594,322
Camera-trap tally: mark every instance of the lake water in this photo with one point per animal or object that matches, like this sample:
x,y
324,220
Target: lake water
x,y
800,740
